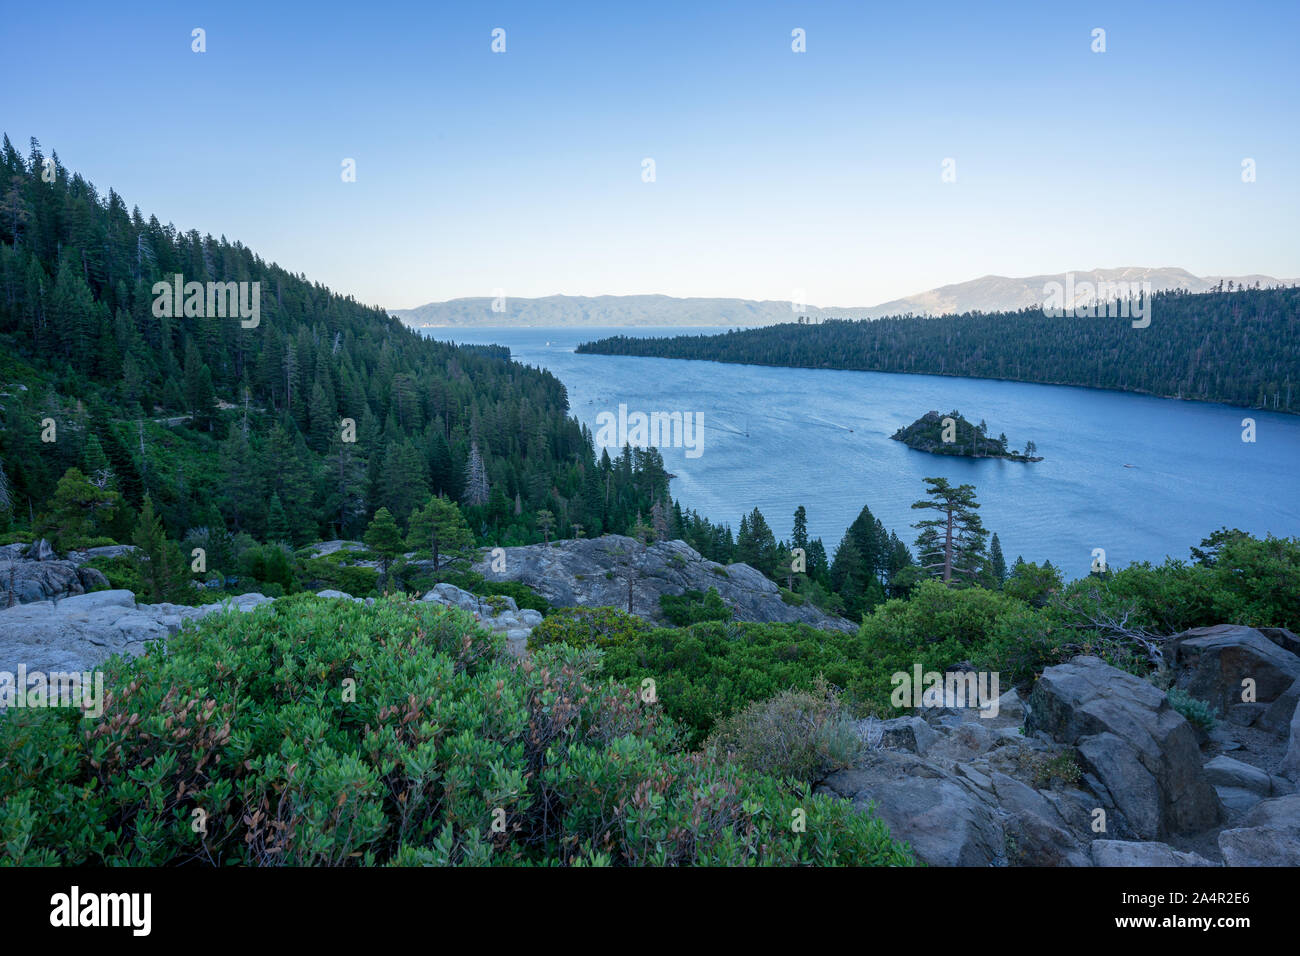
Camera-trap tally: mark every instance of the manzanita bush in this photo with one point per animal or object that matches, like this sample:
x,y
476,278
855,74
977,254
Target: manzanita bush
x,y
322,732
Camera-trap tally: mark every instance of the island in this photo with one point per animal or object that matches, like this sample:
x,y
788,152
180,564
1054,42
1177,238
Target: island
x,y
953,435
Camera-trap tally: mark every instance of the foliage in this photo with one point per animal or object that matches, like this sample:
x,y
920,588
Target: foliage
x,y
692,607
951,545
444,754
799,734
928,432
76,512
133,392
324,573
438,530
1237,347
1199,714
602,627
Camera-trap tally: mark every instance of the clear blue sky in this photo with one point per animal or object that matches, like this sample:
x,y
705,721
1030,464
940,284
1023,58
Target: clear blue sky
x,y
775,170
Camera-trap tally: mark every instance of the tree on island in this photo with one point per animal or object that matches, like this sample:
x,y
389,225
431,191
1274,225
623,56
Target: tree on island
x,y
951,546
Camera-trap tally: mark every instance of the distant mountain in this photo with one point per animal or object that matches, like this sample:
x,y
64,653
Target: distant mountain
x,y
630,310
986,294
1003,294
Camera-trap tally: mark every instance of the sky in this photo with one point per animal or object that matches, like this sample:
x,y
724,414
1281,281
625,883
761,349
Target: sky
x,y
774,171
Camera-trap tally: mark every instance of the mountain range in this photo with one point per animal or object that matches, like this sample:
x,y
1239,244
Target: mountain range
x,y
986,294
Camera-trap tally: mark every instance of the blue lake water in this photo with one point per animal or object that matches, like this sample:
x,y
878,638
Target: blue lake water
x,y
1141,477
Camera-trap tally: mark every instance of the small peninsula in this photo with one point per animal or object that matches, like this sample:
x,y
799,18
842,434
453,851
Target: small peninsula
x,y
953,435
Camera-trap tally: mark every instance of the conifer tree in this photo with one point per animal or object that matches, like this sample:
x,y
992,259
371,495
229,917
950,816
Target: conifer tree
x,y
439,529
158,561
951,546
997,563
476,481
383,538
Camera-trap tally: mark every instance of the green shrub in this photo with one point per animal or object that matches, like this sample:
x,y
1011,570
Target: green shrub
x,y
588,627
249,717
708,671
122,572
800,735
694,607
323,573
1199,714
269,564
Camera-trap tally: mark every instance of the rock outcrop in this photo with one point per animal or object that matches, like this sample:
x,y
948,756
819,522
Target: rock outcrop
x,y
1269,835
1214,661
35,573
1103,772
497,613
595,572
1142,750
82,632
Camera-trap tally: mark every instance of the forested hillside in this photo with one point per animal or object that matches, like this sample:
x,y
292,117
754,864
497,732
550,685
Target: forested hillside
x,y
241,429
1241,347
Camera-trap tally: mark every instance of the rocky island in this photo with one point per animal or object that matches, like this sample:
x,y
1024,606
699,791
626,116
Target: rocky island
x,y
953,435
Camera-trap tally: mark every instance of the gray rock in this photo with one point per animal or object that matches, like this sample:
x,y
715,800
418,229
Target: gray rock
x,y
1224,771
46,580
907,733
1277,717
1244,715
1282,638
943,819
80,633
1290,767
1261,846
39,551
594,572
333,547
342,595
1213,662
1279,811
107,551
1236,799
1142,750
1011,705
1132,786
1124,853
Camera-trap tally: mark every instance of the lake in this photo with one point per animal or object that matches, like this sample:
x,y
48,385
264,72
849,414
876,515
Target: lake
x,y
1139,477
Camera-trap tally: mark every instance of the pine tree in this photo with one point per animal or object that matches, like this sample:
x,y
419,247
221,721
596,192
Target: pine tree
x,y
659,520
157,560
545,524
439,529
799,536
97,466
277,524
76,511
951,546
997,563
383,538
476,482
